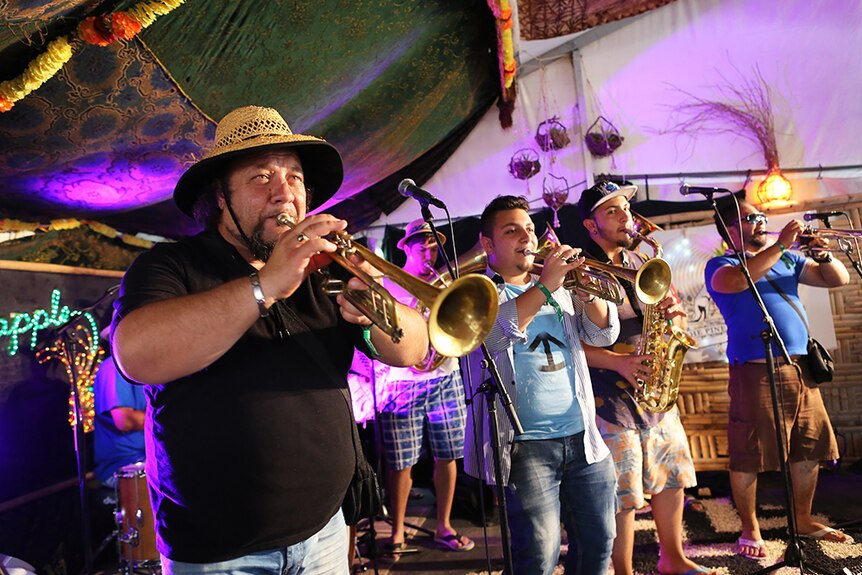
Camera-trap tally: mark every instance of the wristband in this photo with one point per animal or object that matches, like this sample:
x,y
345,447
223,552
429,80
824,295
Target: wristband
x,y
553,303
258,294
366,335
788,263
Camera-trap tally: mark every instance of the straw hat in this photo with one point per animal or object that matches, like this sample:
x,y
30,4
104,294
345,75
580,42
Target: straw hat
x,y
415,228
254,128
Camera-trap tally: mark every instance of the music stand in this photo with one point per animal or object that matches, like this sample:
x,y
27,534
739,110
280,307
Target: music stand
x,y
793,556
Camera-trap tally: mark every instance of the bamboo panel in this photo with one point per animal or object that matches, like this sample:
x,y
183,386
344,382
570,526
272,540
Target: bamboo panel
x,y
704,403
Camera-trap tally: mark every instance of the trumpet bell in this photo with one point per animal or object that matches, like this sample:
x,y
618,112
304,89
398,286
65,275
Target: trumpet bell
x,y
652,281
462,315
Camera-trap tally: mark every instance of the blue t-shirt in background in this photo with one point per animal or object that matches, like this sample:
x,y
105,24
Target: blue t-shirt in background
x,y
545,377
113,448
743,316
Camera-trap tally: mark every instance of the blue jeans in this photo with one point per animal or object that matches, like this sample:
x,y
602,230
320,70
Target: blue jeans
x,y
553,474
323,553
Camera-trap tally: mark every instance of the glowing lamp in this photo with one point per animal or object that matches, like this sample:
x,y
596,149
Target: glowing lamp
x,y
774,188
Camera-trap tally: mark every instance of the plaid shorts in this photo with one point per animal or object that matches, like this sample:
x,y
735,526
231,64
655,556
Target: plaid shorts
x,y
434,404
649,460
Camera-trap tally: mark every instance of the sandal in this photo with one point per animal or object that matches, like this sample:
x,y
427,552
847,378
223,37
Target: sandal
x,y
754,544
455,542
821,535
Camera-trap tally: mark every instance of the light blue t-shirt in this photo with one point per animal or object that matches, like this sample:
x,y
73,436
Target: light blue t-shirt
x,y
545,377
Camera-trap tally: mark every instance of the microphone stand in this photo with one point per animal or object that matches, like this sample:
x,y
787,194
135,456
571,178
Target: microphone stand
x,y
489,388
62,338
793,556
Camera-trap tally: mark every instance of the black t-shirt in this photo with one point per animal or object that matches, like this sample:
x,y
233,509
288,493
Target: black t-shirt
x,y
254,452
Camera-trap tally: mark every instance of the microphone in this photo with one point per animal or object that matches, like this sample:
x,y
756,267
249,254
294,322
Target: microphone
x,y
685,190
409,189
808,216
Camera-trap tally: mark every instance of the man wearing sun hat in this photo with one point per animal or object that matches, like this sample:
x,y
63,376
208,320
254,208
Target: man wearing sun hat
x,y
249,437
416,404
651,453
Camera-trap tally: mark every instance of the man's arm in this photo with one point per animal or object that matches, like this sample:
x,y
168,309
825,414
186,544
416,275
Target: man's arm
x,y
165,340
628,365
830,273
127,419
826,274
730,279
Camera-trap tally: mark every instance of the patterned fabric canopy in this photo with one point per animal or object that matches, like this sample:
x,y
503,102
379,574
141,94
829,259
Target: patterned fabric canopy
x,y
108,136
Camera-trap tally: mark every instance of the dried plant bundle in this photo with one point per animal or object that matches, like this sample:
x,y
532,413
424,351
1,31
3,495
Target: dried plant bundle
x,y
745,109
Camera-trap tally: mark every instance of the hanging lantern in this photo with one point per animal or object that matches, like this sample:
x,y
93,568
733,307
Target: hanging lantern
x,y
774,188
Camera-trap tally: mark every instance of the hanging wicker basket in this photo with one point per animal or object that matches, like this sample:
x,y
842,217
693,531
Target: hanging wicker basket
x,y
524,164
552,135
603,138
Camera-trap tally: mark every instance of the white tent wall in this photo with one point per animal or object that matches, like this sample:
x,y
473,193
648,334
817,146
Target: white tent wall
x,y
807,53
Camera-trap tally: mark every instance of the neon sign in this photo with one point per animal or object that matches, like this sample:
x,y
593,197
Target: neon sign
x,y
20,323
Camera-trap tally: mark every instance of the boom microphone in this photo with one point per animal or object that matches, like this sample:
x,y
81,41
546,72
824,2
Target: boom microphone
x,y
409,189
685,190
808,216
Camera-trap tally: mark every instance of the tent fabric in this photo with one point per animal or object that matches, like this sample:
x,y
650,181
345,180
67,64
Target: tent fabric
x,y
634,76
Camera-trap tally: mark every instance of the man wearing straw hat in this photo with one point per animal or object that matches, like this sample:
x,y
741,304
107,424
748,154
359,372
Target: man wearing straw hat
x,y
249,439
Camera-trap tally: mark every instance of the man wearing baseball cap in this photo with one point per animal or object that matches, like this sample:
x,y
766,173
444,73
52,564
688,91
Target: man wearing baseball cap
x,y
651,454
249,438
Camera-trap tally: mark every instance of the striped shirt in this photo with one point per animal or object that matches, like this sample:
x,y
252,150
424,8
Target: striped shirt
x,y
478,459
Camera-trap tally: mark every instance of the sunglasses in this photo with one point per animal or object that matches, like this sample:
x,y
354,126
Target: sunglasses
x,y
754,218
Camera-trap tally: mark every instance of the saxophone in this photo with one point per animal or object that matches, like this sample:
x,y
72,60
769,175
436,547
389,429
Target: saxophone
x,y
668,344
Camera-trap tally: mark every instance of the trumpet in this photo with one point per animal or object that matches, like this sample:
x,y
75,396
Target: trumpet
x,y
842,237
461,315
651,281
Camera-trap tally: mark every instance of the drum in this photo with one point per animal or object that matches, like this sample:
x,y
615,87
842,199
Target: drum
x,y
134,517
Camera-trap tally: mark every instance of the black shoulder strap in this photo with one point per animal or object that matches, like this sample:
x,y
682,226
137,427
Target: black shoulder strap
x,y
788,300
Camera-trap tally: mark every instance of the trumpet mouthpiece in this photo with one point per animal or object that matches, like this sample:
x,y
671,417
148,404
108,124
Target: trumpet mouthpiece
x,y
283,220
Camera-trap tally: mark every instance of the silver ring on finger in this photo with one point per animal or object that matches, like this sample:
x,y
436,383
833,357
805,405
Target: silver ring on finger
x,y
301,237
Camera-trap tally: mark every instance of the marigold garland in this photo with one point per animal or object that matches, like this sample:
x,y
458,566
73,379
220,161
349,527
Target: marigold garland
x,y
97,30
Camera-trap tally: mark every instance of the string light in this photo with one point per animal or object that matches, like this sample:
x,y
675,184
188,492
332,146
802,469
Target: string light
x,y
35,322
80,355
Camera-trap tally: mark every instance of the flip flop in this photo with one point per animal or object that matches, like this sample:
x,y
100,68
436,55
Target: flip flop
x,y
756,543
453,542
820,535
